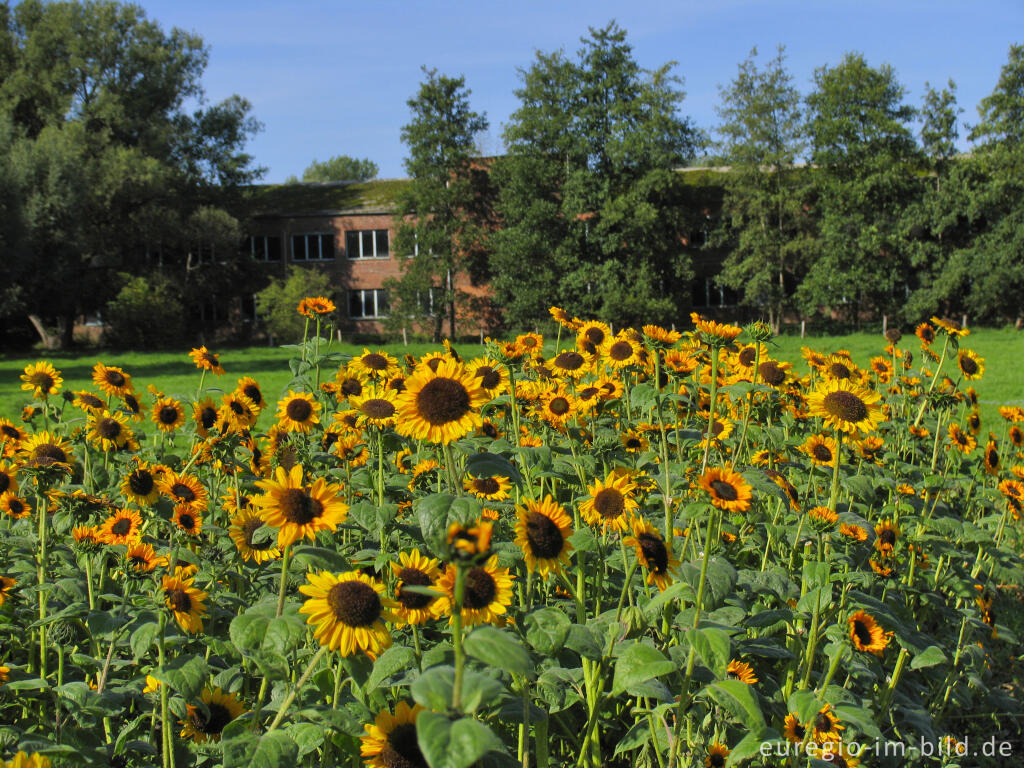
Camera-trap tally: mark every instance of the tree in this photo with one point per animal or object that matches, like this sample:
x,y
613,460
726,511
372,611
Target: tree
x,y
276,304
114,165
591,203
764,215
438,234
339,168
867,172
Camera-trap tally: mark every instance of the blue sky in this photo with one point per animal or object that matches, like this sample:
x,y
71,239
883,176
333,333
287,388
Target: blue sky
x,y
330,78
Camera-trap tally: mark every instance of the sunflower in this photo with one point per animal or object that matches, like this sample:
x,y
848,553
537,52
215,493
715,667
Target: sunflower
x,y
620,352
391,741
659,335
793,730
870,448
11,436
839,755
494,488
823,516
168,414
1016,435
680,361
886,534
487,595
846,406
142,558
714,334
132,406
727,488
140,484
866,634
14,506
88,402
109,431
8,478
207,722
237,412
376,405
25,760
717,754
46,450
594,333
204,414
244,524
633,441
41,379
556,406
111,380
348,612
206,360
529,343
471,541
297,412
926,333
187,519
740,670
971,366
439,406
313,306
6,585
974,422
654,554
610,503
951,327
378,365
184,600
821,449
571,364
415,570
123,527
184,489
542,533
839,367
86,537
773,373
962,441
297,510
991,460
825,726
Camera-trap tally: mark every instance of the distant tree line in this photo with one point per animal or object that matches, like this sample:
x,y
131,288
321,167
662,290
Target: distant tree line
x,y
847,201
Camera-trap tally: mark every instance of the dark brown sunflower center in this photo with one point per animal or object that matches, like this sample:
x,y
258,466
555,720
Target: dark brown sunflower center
x,y
414,577
570,361
860,629
15,506
10,432
375,362
378,408
121,527
559,406
716,428
771,373
723,490
822,452
845,406
114,378
839,371
236,407
655,552
529,342
486,485
249,529
350,387
132,403
823,722
609,502
138,561
354,603
434,363
746,356
46,454
799,731
595,336
968,366
588,393
489,378
299,507
91,401
208,416
219,717
480,589
108,429
544,536
183,492
992,457
210,359
5,481
179,600
490,430
442,401
974,421
888,536
402,750
43,381
168,414
716,760
634,443
299,409
186,521
620,350
140,482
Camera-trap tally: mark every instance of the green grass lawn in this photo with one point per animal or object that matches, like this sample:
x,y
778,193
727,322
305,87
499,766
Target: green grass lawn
x,y
175,374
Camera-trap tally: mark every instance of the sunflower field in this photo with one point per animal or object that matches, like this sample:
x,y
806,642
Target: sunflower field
x,y
643,548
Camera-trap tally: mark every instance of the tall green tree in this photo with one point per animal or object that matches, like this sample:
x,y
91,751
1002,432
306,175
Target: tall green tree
x,y
591,204
439,235
115,162
867,171
338,168
766,225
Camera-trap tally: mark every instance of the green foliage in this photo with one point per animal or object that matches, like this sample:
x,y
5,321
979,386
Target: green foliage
x,y
591,205
340,168
277,304
146,313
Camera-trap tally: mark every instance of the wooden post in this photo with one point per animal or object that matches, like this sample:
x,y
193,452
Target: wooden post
x,y
405,337
803,328
885,324
964,323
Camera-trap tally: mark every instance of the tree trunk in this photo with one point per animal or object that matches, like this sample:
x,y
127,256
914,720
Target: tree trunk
x,y
49,342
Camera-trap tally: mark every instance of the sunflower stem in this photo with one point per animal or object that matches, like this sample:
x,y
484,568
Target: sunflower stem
x,y
460,654
297,687
935,378
711,408
41,509
167,747
833,495
284,580
750,402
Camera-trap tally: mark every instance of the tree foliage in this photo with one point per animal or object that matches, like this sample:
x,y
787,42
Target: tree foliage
x,y
276,303
440,233
340,168
591,203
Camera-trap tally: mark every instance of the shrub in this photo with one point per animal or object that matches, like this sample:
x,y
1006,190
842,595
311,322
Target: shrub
x,y
276,304
147,312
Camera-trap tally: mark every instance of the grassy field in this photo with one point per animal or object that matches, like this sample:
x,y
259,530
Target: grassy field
x,y
174,373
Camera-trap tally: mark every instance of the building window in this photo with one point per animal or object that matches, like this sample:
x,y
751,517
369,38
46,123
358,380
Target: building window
x,y
367,244
265,247
368,304
316,246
